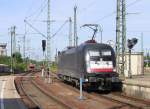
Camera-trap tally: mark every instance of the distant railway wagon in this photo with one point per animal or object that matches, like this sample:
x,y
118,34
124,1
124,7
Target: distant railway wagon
x,y
4,68
31,67
93,62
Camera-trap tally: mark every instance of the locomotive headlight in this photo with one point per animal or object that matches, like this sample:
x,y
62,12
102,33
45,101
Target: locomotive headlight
x,y
114,70
86,80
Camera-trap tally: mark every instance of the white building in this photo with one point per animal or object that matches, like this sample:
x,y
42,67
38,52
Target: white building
x,y
137,64
3,50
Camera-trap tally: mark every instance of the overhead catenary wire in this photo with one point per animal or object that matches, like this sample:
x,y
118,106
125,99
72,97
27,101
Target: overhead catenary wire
x,y
111,14
145,31
38,10
30,7
60,28
42,10
38,32
34,28
136,1
37,13
87,7
2,35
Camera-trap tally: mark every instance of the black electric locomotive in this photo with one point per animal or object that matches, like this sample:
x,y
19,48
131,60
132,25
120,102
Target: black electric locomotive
x,y
94,62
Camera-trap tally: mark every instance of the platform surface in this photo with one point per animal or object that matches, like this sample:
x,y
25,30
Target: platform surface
x,y
9,98
138,86
142,80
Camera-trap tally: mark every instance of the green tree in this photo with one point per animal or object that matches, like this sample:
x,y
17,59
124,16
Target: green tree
x,y
18,57
5,60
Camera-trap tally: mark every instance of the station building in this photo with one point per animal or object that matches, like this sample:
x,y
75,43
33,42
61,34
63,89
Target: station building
x,y
3,50
137,64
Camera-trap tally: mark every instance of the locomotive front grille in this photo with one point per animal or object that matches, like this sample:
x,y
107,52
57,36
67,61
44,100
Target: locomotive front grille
x,y
92,79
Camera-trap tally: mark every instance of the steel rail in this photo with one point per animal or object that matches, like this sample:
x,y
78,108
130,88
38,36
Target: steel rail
x,y
50,95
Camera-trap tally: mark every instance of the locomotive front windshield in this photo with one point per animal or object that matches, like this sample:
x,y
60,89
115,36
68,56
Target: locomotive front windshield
x,y
99,61
97,55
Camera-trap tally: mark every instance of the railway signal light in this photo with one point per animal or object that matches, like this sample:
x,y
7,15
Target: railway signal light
x,y
43,45
13,55
132,43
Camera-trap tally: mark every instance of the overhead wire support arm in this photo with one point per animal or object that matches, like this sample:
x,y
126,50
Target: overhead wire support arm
x,y
34,28
59,29
38,32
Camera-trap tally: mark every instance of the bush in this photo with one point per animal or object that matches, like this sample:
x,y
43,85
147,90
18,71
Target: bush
x,y
5,60
145,64
20,67
54,67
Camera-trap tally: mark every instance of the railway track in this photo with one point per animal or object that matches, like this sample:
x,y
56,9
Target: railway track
x,y
121,95
44,97
24,96
37,96
125,101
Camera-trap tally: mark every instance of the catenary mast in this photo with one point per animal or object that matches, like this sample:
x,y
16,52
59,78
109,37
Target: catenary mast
x,y
121,37
48,36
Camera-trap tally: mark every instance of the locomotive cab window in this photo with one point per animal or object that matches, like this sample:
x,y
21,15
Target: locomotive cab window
x,y
94,55
98,61
106,55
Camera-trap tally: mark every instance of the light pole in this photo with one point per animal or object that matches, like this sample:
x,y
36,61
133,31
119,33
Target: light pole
x,y
19,47
13,47
11,70
130,74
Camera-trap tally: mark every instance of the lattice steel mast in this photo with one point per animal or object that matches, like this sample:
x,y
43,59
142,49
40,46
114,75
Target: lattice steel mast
x,y
75,27
48,36
13,32
70,31
121,36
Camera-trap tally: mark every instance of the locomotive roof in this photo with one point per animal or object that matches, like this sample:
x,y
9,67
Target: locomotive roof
x,y
87,45
101,45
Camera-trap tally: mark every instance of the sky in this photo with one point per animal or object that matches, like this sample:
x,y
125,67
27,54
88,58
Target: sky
x,y
102,12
